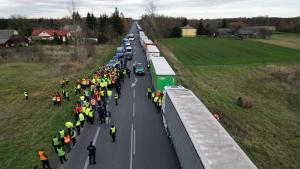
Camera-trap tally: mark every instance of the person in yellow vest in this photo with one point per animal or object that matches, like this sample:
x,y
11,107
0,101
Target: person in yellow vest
x,y
44,159
153,95
26,94
109,93
77,126
149,92
113,131
81,118
54,100
155,101
91,116
69,125
55,142
82,98
159,104
61,154
61,136
116,98
78,88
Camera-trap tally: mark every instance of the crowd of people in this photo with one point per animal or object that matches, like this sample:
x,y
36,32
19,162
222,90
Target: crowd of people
x,y
93,94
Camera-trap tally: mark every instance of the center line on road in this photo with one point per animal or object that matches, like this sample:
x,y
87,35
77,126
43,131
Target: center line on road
x,y
94,142
131,146
133,109
134,93
134,142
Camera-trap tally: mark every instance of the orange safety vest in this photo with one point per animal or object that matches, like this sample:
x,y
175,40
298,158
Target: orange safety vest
x,y
67,139
42,156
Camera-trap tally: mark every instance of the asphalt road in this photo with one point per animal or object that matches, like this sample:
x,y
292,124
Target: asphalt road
x,y
141,140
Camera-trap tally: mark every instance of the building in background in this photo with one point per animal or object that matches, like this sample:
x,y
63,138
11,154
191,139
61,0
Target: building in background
x,y
188,31
48,34
11,38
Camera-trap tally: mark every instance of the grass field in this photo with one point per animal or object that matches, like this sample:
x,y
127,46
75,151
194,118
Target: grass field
x,y
290,40
29,125
221,70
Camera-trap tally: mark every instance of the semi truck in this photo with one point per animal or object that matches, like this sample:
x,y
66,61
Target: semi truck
x,y
161,73
198,138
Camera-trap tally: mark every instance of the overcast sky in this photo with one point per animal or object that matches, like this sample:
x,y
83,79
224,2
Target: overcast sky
x,y
135,8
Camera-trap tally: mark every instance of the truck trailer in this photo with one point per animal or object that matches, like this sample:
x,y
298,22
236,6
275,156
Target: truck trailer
x,y
198,138
161,73
152,51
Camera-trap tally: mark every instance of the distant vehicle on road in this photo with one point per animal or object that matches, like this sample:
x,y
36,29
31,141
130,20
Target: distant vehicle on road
x,y
131,37
139,69
127,44
128,53
120,52
111,63
125,40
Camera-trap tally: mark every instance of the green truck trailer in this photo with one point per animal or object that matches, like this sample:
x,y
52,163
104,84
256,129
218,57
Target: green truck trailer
x,y
161,73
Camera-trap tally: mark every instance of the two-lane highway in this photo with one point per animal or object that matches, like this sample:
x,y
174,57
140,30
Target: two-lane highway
x,y
141,140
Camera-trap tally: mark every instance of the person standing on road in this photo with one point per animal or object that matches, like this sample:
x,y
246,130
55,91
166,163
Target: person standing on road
x,y
128,72
61,154
92,153
26,94
73,136
113,131
149,92
44,159
116,98
81,119
107,117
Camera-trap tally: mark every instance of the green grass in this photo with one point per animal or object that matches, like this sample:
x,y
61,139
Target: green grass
x,y
208,51
221,70
27,126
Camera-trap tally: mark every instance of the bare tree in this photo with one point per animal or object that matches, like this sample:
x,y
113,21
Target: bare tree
x,y
151,9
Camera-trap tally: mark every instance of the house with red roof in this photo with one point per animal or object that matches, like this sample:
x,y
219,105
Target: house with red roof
x,y
48,34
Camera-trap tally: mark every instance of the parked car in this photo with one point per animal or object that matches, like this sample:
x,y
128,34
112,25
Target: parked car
x,y
120,52
131,37
139,69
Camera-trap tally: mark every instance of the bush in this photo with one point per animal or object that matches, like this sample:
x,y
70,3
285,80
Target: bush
x,y
176,32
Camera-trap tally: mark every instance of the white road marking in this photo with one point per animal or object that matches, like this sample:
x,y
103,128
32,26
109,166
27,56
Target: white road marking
x,y
134,142
133,84
133,109
94,141
131,146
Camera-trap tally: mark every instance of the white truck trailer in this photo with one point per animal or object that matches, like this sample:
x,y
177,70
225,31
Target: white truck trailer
x,y
152,51
198,138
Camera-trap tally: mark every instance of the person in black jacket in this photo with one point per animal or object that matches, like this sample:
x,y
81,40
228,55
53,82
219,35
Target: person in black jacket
x,y
92,153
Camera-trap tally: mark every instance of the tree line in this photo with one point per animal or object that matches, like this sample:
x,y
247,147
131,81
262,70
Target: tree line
x,y
105,28
170,27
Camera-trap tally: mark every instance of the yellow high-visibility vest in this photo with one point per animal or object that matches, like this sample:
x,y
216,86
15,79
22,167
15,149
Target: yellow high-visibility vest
x,y
113,130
